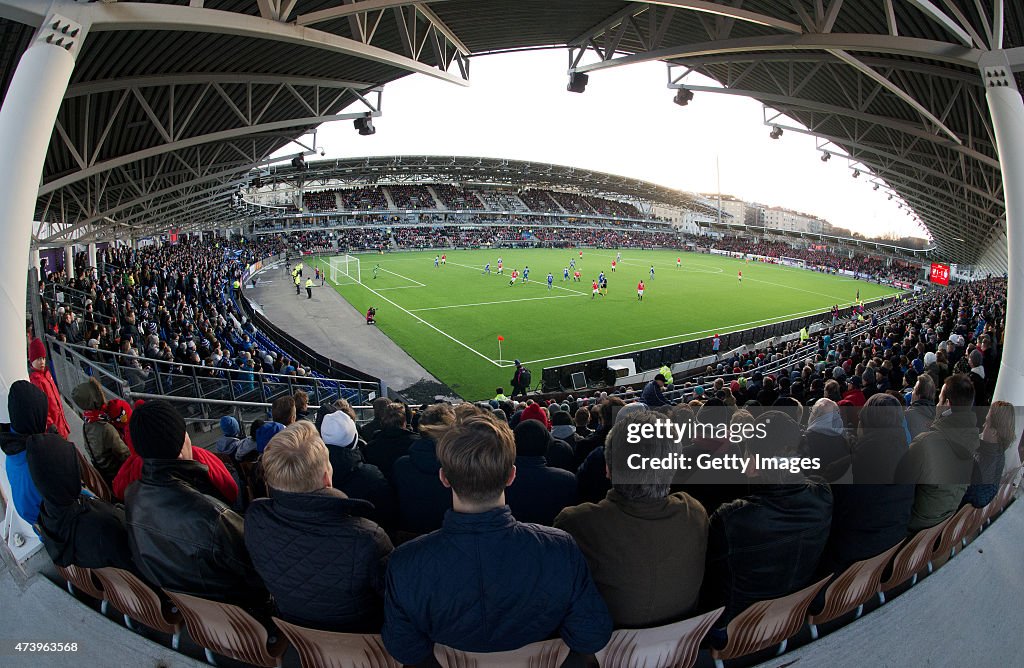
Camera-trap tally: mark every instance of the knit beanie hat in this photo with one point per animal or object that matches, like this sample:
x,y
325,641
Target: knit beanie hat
x,y
532,439
36,349
27,406
561,419
229,426
158,430
338,429
535,412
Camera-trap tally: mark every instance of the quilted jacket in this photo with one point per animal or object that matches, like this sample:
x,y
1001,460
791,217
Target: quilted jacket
x,y
320,558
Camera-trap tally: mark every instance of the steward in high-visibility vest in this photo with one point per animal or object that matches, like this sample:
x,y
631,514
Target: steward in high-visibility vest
x,y
298,284
667,372
804,335
309,288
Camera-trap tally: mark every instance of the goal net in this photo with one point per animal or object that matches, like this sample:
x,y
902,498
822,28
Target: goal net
x,y
345,269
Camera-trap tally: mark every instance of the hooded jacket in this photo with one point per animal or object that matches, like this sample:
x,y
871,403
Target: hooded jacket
x,y
27,406
75,529
940,463
185,540
989,461
387,446
55,407
422,499
225,487
321,558
359,480
104,445
920,416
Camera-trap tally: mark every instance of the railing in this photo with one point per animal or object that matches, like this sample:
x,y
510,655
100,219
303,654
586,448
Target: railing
x,y
202,394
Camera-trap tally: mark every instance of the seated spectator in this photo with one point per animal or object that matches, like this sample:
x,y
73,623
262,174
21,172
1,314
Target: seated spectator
x,y
592,482
940,461
247,447
351,475
645,547
921,412
368,430
767,544
321,559
713,487
559,454
654,393
563,431
485,582
540,491
76,528
27,408
183,538
266,432
422,499
871,515
582,421
283,410
228,443
391,441
105,447
825,439
996,436
301,400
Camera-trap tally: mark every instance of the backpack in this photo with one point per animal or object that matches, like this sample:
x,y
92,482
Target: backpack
x,y
526,378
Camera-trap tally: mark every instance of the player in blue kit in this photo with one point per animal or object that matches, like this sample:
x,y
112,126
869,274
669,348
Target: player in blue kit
x,y
551,280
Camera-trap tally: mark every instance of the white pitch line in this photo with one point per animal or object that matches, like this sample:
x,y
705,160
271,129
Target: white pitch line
x,y
411,280
503,301
436,329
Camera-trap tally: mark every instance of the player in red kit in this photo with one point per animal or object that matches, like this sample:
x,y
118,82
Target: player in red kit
x,y
640,291
595,289
739,276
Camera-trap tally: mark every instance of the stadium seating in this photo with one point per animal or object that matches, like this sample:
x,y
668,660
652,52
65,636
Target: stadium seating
x,y
226,629
852,589
914,557
135,600
669,646
323,649
544,654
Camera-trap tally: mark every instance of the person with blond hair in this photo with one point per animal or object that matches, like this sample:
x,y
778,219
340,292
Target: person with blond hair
x,y
485,582
319,556
996,436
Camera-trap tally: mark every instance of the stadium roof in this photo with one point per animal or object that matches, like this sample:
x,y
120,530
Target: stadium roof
x,y
497,171
173,102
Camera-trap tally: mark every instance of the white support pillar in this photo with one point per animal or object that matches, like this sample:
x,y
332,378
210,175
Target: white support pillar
x,y
34,259
26,123
92,254
1007,109
69,260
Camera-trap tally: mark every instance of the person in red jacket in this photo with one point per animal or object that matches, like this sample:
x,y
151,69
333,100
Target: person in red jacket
x,y
41,378
120,413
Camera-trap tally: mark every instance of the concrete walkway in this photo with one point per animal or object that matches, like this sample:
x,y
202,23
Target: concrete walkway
x,y
331,326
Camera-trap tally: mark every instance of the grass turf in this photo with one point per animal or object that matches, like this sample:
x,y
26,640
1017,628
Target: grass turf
x,y
448,318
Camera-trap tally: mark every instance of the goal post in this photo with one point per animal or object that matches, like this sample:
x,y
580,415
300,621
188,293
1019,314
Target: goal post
x,y
345,269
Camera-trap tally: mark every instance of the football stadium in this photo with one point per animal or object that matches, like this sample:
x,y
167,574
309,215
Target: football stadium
x,y
490,391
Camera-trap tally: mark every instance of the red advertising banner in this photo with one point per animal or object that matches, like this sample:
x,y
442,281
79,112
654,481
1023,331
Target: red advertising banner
x,y
939,274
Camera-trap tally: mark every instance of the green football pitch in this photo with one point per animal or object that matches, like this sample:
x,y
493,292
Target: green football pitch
x,y
449,318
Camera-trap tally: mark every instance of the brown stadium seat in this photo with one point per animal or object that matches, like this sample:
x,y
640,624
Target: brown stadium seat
x,y
83,580
953,535
227,629
92,479
543,654
768,623
852,589
914,557
135,600
323,649
670,646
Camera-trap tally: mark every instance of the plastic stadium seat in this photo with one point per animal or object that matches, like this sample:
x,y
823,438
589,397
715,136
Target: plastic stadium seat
x,y
135,600
767,623
543,654
323,649
953,535
852,589
914,557
83,580
92,479
227,629
670,646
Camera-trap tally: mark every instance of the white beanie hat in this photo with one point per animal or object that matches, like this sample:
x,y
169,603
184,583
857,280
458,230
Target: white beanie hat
x,y
338,429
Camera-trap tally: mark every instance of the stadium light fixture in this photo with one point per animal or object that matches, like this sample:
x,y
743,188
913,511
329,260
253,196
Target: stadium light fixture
x,y
365,126
825,156
876,187
856,173
776,132
577,82
683,97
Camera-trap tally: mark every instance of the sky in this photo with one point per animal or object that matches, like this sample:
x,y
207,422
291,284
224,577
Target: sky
x,y
625,123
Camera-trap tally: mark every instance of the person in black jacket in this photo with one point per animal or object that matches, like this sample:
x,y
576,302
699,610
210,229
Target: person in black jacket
x,y
76,529
351,475
540,492
767,544
323,561
391,441
183,538
485,582
422,499
518,381
871,515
